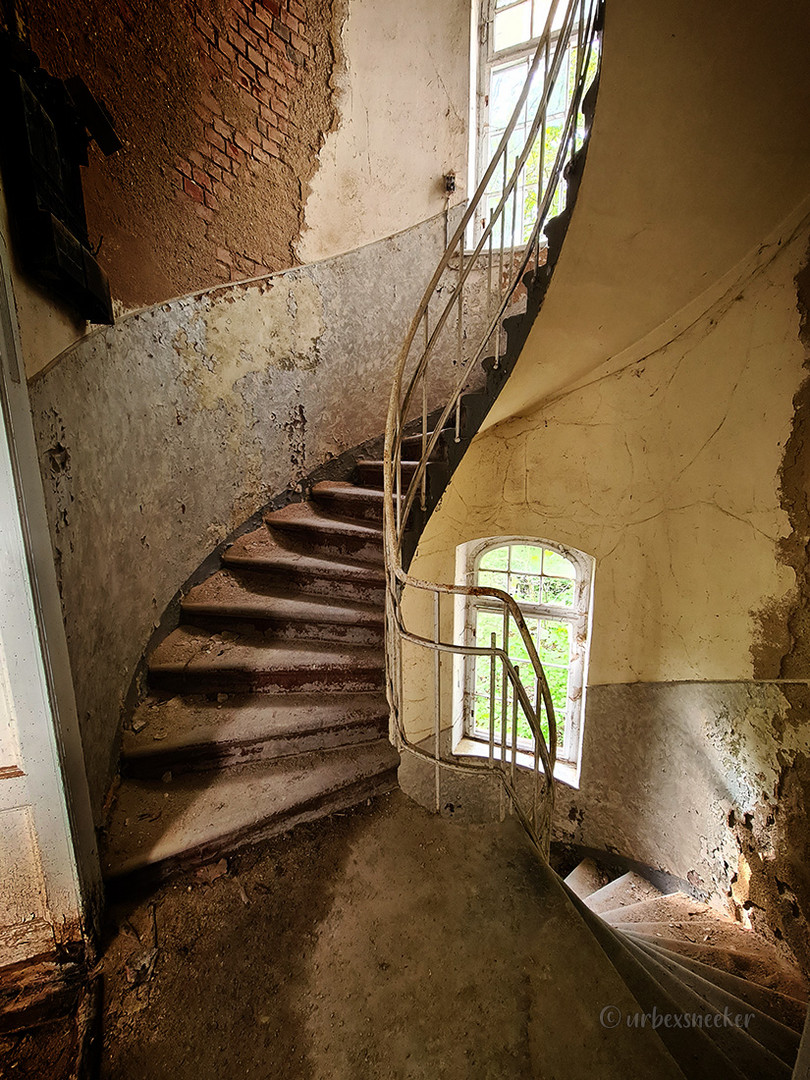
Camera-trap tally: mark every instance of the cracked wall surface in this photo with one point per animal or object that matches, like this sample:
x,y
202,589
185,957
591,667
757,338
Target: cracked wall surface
x,y
160,436
684,474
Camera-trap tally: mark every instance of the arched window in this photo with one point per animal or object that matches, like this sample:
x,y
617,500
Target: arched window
x,y
552,586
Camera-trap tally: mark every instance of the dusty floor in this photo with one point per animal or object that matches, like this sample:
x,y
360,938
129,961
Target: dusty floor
x,y
379,943
352,947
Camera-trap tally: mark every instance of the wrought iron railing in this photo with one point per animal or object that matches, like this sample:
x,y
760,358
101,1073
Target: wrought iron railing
x,y
438,359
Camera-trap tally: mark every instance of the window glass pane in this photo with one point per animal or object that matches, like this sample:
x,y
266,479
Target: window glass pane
x,y
525,588
486,624
504,90
553,642
541,10
559,91
497,559
556,565
513,25
527,560
518,653
558,685
495,579
558,591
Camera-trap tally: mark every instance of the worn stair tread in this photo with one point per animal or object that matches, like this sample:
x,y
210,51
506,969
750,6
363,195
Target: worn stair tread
x,y
303,516
245,595
704,933
788,1010
193,816
188,722
765,967
585,878
187,645
674,907
337,489
260,551
628,889
697,1055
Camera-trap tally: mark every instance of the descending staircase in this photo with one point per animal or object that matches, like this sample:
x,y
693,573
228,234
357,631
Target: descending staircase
x,y
723,1000
266,705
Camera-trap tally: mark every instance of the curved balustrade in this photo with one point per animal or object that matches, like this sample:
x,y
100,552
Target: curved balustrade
x,y
437,352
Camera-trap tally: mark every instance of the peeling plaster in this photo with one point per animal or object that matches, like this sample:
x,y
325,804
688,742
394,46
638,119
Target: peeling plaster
x,y
160,436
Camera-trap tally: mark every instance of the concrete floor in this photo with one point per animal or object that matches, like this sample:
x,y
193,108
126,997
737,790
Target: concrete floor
x,y
381,942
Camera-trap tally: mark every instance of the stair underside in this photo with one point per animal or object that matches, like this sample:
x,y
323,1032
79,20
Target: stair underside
x,y
161,827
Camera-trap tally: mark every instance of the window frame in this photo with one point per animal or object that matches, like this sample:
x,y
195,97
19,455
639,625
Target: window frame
x,y
469,557
486,60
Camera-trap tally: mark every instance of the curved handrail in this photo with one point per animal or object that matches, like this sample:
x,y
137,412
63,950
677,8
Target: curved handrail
x,y
580,26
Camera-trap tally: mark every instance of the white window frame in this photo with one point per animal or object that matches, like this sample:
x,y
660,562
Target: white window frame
x,y
468,560
488,59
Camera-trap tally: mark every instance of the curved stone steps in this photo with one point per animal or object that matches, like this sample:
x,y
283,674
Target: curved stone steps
x,y
672,907
744,994
190,660
185,733
370,472
349,500
787,1010
628,889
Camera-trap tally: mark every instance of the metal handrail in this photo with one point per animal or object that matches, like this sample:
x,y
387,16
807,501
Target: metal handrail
x,y
579,26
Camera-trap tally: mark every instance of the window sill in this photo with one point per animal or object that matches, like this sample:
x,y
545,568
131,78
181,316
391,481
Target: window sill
x,y
566,772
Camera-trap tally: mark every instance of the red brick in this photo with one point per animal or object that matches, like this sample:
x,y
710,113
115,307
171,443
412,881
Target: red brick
x,y
260,29
221,128
225,52
256,58
184,167
202,178
211,201
219,157
273,6
241,141
203,113
247,68
205,28
193,190
297,10
234,152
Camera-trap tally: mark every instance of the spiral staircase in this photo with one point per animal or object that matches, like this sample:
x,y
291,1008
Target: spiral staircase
x,y
278,697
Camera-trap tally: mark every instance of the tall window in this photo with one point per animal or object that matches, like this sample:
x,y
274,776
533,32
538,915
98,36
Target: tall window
x,y
552,586
509,33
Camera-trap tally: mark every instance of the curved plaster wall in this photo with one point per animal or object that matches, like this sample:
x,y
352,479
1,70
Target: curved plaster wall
x,y
159,436
700,149
656,421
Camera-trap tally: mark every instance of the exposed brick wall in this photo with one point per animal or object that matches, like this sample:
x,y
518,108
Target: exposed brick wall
x,y
261,46
222,105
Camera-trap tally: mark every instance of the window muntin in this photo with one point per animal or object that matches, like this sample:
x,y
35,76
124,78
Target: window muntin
x,y
551,585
